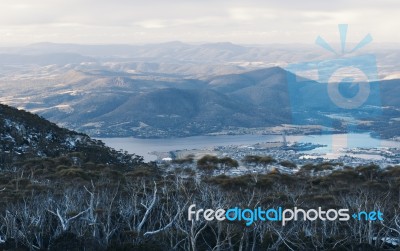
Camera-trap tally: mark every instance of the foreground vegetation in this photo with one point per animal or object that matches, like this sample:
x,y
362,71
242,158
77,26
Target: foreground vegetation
x,y
62,190
69,203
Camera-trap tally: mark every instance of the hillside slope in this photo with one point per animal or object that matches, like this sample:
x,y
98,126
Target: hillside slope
x,y
27,136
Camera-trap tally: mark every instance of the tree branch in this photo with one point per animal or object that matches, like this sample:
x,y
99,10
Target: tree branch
x,y
148,209
166,226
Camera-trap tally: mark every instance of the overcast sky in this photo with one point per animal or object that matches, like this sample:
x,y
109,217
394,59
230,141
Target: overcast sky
x,y
246,22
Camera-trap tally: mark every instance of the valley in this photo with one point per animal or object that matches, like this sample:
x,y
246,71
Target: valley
x,y
152,92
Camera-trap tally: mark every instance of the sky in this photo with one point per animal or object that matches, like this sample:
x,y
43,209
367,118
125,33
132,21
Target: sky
x,y
154,21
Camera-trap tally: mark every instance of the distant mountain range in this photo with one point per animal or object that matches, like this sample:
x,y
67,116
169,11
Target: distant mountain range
x,y
112,104
177,89
177,58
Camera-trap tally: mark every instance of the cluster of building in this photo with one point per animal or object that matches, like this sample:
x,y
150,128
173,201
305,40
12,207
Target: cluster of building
x,y
299,154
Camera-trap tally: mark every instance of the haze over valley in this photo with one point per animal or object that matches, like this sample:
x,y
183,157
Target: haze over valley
x,y
176,89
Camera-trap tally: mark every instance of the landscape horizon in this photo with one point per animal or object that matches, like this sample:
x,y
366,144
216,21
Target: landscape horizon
x,y
214,125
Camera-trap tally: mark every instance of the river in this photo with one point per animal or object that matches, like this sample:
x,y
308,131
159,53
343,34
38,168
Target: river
x,y
334,143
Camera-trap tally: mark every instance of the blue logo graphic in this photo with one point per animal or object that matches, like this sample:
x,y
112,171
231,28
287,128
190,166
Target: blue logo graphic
x,y
343,91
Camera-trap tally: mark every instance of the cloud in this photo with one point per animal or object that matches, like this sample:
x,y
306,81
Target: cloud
x,y
252,14
256,21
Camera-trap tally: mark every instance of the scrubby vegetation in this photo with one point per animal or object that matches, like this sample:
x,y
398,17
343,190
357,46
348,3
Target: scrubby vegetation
x,y
55,204
27,136
209,163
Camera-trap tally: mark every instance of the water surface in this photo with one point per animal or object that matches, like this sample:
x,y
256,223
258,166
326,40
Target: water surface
x,y
334,143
